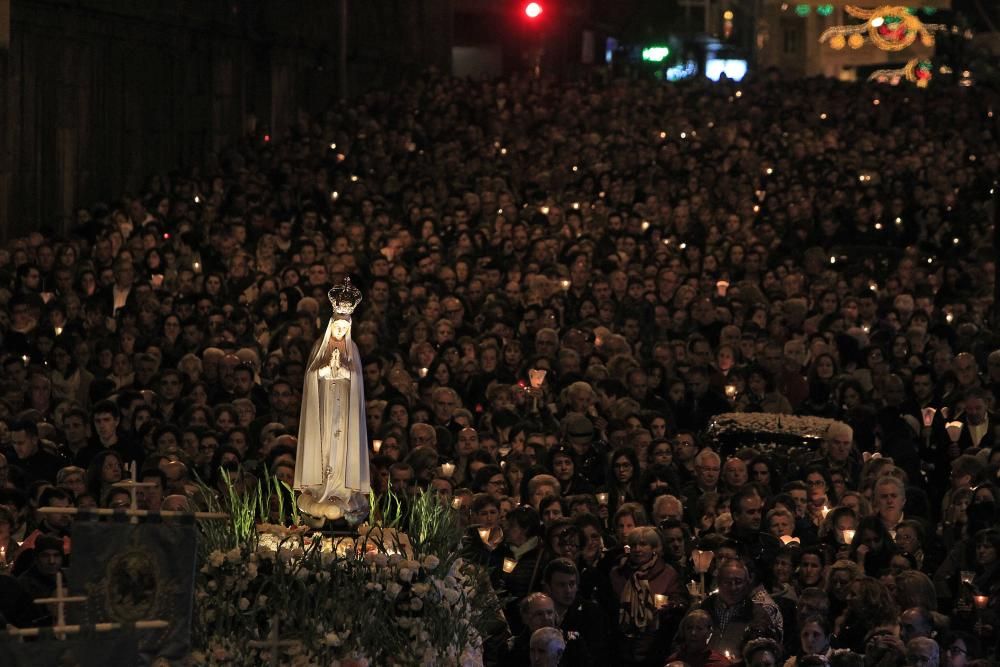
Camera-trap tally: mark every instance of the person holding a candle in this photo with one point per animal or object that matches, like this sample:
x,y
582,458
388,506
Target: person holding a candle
x,y
623,479
641,576
521,552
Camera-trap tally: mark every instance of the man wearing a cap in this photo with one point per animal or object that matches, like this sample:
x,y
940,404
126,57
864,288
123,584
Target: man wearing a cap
x,y
579,433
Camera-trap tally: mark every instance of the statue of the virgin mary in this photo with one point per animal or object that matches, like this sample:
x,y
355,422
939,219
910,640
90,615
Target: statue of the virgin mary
x,y
331,462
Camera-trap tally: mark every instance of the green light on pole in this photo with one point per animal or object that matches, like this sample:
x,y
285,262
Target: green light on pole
x,y
803,10
824,10
655,54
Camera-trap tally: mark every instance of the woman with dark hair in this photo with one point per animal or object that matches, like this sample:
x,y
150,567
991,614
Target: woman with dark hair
x,y
819,491
873,546
622,479
761,394
657,481
761,471
822,374
490,479
105,469
869,605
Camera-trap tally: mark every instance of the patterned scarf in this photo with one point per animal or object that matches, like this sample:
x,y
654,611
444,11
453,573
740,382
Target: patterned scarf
x,y
637,611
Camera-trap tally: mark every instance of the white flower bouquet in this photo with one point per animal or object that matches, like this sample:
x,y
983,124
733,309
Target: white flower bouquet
x,y
383,597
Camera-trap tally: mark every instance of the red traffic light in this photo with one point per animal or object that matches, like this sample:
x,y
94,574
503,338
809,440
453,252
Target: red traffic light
x,y
533,10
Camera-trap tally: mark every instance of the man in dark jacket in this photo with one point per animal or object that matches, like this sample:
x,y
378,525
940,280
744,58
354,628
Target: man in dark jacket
x,y
580,620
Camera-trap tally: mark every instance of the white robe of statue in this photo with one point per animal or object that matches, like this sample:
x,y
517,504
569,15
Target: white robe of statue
x,y
331,462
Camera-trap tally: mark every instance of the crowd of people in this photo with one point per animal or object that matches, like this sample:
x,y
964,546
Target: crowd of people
x,y
564,282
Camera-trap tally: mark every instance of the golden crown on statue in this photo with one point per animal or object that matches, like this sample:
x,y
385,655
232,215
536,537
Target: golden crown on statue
x,y
344,297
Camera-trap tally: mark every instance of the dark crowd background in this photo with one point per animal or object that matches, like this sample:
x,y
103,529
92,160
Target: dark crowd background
x,y
665,254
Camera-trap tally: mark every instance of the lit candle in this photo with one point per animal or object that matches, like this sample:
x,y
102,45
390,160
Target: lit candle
x,y
645,225
456,503
447,469
423,372
3,555
954,429
721,287
564,284
847,535
967,576
509,564
660,601
537,375
928,414
602,498
25,358
730,391
59,331
824,511
544,210
981,601
702,560
197,267
376,445
484,534
728,656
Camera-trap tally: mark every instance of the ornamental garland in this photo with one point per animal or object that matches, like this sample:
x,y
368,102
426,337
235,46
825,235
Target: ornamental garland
x,y
890,28
916,71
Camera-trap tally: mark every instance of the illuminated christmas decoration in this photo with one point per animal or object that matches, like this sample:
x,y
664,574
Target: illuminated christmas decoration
x,y
890,28
824,10
803,10
916,71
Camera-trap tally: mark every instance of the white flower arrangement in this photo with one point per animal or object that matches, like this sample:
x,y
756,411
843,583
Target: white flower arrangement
x,y
767,432
380,598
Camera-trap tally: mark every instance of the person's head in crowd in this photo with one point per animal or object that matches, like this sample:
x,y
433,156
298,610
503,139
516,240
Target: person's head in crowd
x,y
626,518
73,479
522,524
746,507
922,651
24,439
838,443
812,564
546,647
707,467
695,631
960,648
540,487
734,581
56,522
762,652
667,508
889,494
49,553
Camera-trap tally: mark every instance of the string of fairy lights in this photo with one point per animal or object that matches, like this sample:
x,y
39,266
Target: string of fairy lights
x,y
891,28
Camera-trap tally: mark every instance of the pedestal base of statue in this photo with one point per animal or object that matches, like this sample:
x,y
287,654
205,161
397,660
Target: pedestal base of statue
x,y
353,512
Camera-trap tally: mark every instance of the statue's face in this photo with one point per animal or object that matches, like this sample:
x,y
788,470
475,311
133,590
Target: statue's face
x,y
340,329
